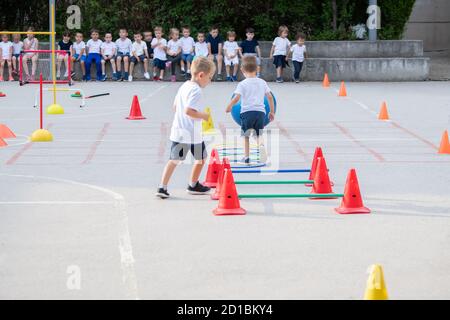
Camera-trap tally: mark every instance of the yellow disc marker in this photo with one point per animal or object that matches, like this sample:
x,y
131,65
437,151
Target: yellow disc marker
x,y
376,287
55,109
41,135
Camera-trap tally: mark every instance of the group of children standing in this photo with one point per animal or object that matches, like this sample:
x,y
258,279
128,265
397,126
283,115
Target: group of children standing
x,y
181,50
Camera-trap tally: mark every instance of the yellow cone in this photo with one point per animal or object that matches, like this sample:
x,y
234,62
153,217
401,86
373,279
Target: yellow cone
x,y
208,126
41,135
376,288
55,109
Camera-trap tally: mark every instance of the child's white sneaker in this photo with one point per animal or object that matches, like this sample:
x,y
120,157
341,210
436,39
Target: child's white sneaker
x,y
147,76
130,78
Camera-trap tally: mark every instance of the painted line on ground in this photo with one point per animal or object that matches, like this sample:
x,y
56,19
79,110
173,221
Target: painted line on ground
x,y
164,132
97,143
286,133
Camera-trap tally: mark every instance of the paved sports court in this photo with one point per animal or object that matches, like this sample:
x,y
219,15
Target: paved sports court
x,y
84,204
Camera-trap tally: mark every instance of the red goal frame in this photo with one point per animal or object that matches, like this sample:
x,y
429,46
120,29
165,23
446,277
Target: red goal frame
x,y
69,68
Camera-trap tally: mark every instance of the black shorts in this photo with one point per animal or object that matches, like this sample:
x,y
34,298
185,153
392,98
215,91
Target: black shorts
x,y
279,61
252,121
160,64
179,151
142,57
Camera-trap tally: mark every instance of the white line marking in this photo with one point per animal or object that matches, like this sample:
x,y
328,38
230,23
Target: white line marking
x,y
125,248
19,143
359,103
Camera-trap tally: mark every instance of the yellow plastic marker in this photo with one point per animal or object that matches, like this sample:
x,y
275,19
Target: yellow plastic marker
x,y
208,126
376,287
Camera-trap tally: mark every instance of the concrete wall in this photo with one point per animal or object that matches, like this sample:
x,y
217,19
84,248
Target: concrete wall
x,y
430,22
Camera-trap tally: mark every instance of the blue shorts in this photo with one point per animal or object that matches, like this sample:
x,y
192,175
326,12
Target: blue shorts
x,y
160,64
252,121
279,61
142,57
187,57
179,151
76,55
121,54
17,55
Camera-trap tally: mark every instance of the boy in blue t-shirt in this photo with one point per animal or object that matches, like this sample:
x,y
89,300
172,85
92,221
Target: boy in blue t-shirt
x,y
215,45
250,47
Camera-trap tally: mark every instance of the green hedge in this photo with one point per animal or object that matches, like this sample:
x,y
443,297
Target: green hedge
x,y
313,17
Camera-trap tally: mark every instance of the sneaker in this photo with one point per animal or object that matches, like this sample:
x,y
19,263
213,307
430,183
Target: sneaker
x,y
279,80
84,78
58,75
72,74
168,64
130,78
1,78
229,78
219,77
173,78
246,160
297,81
198,189
66,74
147,76
162,193
10,78
234,78
155,78
104,77
183,72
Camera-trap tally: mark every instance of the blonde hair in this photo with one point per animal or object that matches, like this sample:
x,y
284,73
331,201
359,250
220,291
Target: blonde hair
x,y
172,31
158,29
231,33
249,64
281,29
203,64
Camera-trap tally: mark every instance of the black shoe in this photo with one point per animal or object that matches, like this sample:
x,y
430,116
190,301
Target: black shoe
x,y
162,193
245,160
198,189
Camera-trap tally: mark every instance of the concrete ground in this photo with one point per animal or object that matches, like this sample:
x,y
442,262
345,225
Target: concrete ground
x,y
79,220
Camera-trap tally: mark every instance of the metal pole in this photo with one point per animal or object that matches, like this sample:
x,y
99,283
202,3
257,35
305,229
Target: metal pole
x,y
52,43
373,34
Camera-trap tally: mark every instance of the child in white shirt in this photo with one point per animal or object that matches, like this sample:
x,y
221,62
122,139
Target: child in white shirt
x,y
93,47
201,47
230,52
251,92
123,54
17,49
6,48
30,43
79,52
279,51
139,54
173,52
108,51
187,51
186,133
298,51
159,46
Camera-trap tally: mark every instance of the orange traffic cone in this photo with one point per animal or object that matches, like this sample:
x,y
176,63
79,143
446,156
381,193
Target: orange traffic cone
x,y
212,175
322,183
135,112
5,132
2,94
445,144
3,143
352,202
225,165
383,112
326,82
228,200
343,90
317,153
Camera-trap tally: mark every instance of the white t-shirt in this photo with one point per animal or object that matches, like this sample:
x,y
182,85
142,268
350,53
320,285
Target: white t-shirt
x,y
184,128
5,46
139,48
124,46
252,91
231,47
30,44
201,49
94,46
298,53
77,47
187,44
173,46
281,46
159,53
17,47
108,48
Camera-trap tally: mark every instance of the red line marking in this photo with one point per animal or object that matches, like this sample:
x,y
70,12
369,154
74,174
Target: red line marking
x,y
352,138
162,144
24,149
428,143
95,145
286,133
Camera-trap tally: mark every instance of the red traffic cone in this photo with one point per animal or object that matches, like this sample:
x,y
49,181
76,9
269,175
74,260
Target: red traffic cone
x,y
135,112
212,175
3,143
326,81
5,132
228,200
352,202
343,90
225,165
317,153
2,94
322,183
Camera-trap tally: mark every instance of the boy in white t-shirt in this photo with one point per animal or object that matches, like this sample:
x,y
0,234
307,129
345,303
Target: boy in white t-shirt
x,y
79,53
17,49
6,48
251,92
139,53
279,51
201,47
93,48
298,51
124,47
187,51
108,51
159,46
186,133
230,52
